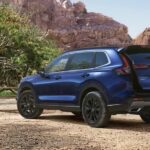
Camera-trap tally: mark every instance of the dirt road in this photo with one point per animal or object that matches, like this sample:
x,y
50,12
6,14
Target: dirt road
x,y
59,130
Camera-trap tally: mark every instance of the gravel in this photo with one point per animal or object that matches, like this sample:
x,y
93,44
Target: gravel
x,y
56,130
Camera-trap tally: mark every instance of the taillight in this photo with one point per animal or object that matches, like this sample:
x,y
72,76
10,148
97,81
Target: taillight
x,y
125,69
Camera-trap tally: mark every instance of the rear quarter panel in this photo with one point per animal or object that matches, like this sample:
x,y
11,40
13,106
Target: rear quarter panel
x,y
119,88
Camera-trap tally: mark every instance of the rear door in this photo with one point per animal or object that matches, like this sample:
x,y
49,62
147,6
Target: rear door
x,y
77,71
140,58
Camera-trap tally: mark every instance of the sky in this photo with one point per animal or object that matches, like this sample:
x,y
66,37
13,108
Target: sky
x,y
135,14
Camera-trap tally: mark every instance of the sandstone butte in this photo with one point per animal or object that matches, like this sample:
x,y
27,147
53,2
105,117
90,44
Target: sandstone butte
x,y
72,26
143,38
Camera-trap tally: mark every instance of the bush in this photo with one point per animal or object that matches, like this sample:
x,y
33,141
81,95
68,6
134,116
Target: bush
x,y
23,46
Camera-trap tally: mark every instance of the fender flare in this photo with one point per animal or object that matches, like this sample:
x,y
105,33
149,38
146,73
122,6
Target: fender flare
x,y
90,86
26,86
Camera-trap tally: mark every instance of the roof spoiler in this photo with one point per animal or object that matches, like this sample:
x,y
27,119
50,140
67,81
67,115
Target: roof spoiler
x,y
134,48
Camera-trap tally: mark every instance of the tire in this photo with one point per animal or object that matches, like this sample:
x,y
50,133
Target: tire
x,y
94,110
27,107
145,114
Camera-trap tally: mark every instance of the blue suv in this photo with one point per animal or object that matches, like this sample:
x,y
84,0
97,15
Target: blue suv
x,y
93,82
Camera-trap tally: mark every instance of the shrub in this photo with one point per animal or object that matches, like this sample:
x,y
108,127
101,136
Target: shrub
x,y
23,45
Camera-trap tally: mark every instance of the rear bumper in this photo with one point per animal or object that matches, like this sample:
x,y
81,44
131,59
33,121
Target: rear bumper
x,y
132,106
139,104
119,108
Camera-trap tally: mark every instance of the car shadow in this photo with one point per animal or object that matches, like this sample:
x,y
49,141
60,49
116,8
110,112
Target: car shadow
x,y
9,111
133,125
116,124
65,118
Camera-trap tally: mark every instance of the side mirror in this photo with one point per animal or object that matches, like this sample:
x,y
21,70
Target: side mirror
x,y
42,73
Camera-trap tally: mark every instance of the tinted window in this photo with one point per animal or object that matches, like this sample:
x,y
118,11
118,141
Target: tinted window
x,y
58,65
81,61
140,58
139,54
101,59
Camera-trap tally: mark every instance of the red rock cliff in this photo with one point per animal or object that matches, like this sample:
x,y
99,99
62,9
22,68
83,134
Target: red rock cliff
x,y
72,26
143,38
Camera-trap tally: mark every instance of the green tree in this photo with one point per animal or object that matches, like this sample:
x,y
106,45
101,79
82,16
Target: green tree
x,y
23,45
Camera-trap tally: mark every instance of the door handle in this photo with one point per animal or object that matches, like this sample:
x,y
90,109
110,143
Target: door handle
x,y
85,75
58,77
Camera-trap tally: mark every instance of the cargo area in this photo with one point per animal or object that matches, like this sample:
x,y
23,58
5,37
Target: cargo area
x,y
137,58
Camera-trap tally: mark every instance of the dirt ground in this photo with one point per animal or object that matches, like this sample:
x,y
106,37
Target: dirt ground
x,y
56,130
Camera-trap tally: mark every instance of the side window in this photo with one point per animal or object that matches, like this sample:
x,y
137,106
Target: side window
x,y
101,59
81,60
59,64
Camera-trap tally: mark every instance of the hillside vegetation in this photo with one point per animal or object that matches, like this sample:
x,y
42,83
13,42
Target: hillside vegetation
x,y
23,48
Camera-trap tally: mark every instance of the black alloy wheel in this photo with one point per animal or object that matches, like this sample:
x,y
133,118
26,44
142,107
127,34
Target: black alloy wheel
x,y
27,106
94,110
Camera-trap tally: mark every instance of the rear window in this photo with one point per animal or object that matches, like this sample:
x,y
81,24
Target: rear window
x,y
139,54
140,58
81,61
101,59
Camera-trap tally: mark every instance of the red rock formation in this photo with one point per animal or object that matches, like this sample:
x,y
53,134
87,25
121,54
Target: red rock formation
x,y
143,38
72,26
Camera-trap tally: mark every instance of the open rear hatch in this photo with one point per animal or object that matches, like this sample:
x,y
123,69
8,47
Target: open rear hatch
x,y
139,60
